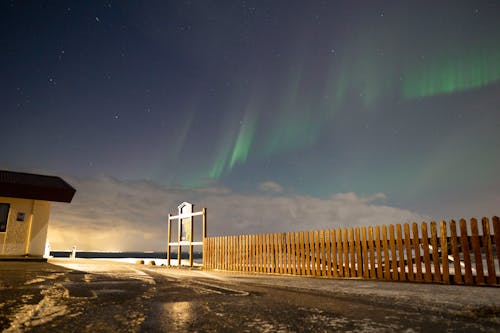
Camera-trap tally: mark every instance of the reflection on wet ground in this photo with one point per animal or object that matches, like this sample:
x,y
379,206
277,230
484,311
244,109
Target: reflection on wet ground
x,y
88,296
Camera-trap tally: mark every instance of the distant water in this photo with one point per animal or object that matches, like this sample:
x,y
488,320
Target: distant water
x,y
119,255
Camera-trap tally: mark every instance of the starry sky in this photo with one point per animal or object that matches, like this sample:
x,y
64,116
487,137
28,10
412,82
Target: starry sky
x,y
390,104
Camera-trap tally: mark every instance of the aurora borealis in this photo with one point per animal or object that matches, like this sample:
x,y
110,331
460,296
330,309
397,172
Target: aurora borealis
x,y
317,97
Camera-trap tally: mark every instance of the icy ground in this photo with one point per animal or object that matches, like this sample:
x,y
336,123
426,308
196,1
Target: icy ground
x,y
103,296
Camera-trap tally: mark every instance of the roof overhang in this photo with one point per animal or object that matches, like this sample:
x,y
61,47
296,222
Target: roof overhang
x,y
33,186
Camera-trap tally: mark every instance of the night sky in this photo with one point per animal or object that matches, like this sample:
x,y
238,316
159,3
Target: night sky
x,y
393,105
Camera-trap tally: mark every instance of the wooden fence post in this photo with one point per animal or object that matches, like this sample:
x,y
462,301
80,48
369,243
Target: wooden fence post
x,y
387,268
496,230
464,241
444,252
488,249
328,258
435,253
322,252
316,254
394,259
416,250
476,249
340,251
457,277
409,255
371,249
379,253
345,246
427,258
364,254
334,253
401,254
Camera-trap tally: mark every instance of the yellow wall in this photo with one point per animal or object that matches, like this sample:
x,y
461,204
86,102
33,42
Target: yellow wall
x,y
26,237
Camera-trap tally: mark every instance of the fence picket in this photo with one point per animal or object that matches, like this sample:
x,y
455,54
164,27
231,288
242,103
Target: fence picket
x,y
476,249
302,254
322,252
357,245
371,249
294,240
345,246
488,249
401,254
394,260
288,263
444,253
334,253
385,246
435,253
416,250
496,230
316,266
409,255
427,257
364,254
352,258
340,252
379,253
464,241
457,276
328,257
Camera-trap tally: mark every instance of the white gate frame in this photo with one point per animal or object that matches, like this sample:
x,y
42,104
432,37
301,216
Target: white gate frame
x,y
179,217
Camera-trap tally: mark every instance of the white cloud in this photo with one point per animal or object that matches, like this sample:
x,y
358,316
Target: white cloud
x,y
271,187
108,214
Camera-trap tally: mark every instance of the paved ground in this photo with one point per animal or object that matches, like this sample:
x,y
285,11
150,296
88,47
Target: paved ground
x,y
95,296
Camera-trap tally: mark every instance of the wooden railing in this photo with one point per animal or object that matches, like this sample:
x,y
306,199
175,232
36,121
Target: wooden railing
x,y
394,252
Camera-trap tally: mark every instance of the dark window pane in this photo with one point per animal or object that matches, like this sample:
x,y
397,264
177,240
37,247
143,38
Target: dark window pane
x,y
4,214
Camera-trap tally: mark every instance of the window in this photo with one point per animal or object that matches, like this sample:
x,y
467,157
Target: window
x,y
4,215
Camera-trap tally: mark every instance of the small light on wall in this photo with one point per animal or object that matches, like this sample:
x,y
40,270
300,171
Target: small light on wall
x,y
20,217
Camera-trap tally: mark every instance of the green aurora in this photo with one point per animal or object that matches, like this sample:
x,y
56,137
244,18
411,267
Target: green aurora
x,y
297,124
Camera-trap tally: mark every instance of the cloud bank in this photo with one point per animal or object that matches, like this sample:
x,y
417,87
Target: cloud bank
x,y
112,215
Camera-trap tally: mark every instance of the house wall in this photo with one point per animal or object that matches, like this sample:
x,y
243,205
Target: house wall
x,y
28,236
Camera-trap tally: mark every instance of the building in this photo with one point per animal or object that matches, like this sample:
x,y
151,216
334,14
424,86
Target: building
x,y
24,211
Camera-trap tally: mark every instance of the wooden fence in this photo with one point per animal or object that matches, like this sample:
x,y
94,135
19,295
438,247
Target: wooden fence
x,y
394,252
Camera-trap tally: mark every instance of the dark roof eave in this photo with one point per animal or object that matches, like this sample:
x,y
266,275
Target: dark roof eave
x,y
37,187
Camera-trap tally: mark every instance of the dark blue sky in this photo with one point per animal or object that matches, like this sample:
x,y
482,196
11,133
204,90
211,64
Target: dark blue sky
x,y
318,97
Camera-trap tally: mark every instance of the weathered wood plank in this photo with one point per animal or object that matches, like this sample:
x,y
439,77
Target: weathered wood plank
x,y
444,252
488,250
347,250
394,259
457,277
364,254
496,230
401,254
334,253
464,241
378,247
357,246
371,250
316,254
409,254
352,261
416,251
289,247
427,257
298,261
322,252
435,253
328,253
385,246
302,254
476,249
